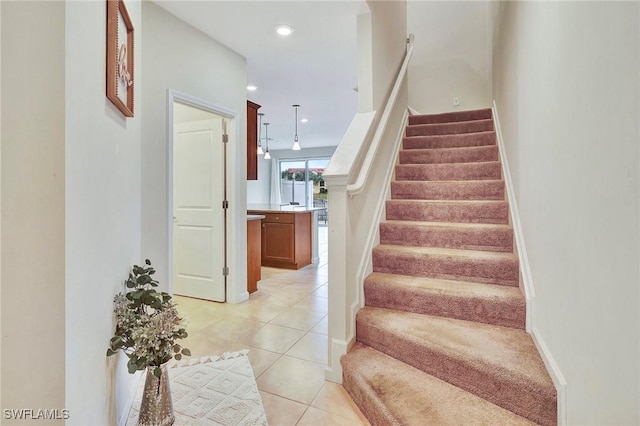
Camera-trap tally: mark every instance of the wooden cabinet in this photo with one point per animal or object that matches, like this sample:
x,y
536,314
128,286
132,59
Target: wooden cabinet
x,y
286,240
252,140
254,256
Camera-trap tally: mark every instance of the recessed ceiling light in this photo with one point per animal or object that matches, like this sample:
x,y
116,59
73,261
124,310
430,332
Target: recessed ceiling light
x,y
303,120
251,87
284,30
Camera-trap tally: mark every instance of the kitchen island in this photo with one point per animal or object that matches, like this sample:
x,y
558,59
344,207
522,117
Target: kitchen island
x,y
289,235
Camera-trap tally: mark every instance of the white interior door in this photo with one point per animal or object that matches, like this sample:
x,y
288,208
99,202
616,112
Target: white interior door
x,y
198,225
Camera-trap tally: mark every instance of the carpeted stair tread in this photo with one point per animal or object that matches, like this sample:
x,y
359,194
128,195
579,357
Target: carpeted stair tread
x,y
470,236
472,126
449,141
449,264
449,117
485,170
486,303
499,364
449,155
448,190
441,338
391,392
472,211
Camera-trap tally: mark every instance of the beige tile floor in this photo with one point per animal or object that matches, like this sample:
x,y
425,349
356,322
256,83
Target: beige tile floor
x,y
284,326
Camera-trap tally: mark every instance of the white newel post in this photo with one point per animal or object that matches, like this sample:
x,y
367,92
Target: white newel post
x,y
339,230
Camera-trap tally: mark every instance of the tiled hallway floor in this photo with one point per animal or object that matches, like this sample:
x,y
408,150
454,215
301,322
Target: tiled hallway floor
x,y
284,326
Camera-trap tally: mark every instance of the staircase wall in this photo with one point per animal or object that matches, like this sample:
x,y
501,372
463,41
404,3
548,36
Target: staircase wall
x,y
353,231
447,63
567,90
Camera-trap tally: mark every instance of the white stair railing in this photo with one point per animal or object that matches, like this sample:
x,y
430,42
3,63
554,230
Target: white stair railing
x,y
357,179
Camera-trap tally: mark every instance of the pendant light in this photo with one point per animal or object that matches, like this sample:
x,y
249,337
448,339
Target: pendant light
x,y
267,156
296,144
260,151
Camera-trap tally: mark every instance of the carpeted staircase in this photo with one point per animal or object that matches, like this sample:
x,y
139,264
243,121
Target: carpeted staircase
x,y
441,338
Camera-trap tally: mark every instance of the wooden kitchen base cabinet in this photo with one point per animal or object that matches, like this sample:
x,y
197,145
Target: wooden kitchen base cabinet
x,y
254,258
286,240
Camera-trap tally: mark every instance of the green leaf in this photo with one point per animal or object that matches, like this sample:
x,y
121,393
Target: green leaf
x,y
186,352
110,352
147,261
157,372
141,363
131,366
178,357
176,348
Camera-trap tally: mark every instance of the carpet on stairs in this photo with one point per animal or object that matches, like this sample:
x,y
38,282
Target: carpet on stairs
x,y
441,338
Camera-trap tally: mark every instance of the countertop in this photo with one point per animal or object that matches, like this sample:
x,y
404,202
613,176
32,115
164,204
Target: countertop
x,y
275,208
255,216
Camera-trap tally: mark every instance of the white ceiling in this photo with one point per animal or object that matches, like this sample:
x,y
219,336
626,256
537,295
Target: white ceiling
x,y
315,67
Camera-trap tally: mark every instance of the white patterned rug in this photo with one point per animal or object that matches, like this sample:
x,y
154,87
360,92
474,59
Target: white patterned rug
x,y
212,390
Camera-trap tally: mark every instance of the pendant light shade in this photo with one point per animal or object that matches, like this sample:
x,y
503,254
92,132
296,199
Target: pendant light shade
x,y
267,156
296,144
260,151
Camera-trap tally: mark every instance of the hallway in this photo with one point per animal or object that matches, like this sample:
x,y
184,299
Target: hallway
x,y
284,326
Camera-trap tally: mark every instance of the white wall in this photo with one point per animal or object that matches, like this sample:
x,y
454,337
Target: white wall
x,y
452,55
178,57
1,405
33,206
102,214
388,44
71,210
258,191
567,89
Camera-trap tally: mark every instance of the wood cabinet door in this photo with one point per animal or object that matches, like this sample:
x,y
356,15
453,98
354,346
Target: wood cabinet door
x,y
252,140
278,242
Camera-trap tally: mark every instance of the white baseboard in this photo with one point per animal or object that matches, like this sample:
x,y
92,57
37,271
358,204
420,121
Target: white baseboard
x,y
525,270
527,280
239,298
338,348
122,421
556,375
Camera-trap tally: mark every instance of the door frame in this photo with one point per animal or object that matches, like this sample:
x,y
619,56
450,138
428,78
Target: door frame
x,y
183,98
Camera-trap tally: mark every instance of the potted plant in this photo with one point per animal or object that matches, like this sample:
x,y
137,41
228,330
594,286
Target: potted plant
x,y
147,328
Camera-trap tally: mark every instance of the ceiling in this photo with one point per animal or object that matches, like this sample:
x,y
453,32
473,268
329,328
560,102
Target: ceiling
x,y
315,67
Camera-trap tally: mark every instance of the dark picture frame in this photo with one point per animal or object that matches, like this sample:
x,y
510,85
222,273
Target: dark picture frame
x,y
120,59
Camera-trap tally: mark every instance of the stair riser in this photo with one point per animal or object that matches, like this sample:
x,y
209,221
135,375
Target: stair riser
x,y
450,128
439,172
452,155
506,313
496,240
460,268
525,399
449,141
442,212
449,117
481,190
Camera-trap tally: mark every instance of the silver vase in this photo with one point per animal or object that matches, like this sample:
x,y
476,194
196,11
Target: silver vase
x,y
156,408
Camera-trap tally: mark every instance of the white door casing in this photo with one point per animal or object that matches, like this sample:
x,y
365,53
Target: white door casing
x,y
198,224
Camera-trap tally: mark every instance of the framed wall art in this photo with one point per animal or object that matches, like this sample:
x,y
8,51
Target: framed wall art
x,y
120,60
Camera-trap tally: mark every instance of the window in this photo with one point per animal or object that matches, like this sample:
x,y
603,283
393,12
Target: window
x,y
301,181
